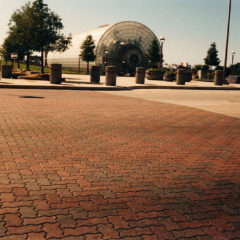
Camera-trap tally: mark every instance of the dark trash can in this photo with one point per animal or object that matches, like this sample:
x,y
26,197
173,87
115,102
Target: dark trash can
x,y
111,75
181,77
6,71
95,74
140,75
218,77
56,73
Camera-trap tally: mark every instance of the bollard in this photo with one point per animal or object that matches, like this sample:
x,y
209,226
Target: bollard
x,y
111,75
6,71
55,73
218,77
181,77
95,74
140,75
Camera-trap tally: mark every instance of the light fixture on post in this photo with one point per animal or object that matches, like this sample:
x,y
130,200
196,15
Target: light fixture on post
x,y
79,62
149,63
106,58
233,54
162,40
121,67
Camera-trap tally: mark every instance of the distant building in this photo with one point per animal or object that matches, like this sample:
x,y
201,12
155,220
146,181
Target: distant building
x,y
123,44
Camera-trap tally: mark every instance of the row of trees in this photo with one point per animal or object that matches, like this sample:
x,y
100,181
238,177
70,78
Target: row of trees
x,y
152,55
211,59
34,27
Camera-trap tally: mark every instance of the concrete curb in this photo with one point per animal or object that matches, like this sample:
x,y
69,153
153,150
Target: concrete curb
x,y
117,88
63,87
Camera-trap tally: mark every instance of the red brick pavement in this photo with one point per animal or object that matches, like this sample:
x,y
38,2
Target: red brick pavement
x,y
78,165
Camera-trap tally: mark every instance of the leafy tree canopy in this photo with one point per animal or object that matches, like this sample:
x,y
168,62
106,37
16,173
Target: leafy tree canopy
x,y
47,25
153,52
212,56
87,49
61,45
19,36
235,69
34,27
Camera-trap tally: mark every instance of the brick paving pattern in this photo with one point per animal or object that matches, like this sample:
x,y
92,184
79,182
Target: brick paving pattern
x,y
78,165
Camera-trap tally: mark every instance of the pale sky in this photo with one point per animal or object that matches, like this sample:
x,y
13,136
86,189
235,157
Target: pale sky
x,y
189,26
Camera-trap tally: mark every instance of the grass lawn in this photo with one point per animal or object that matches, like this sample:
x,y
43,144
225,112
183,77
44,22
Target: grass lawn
x,y
35,68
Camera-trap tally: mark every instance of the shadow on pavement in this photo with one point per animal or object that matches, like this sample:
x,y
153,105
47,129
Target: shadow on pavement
x,y
31,97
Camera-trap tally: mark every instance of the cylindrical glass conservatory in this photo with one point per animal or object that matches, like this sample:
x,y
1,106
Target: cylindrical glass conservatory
x,y
123,45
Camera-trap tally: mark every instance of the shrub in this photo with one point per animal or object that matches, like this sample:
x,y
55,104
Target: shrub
x,y
155,70
170,73
197,67
235,69
204,67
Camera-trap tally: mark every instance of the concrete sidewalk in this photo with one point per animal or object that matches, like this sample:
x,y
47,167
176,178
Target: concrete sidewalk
x,y
82,82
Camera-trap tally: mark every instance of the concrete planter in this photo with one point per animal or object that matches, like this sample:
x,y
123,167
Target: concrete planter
x,y
154,76
234,79
202,74
169,78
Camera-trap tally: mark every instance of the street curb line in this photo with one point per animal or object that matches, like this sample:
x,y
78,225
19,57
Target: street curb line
x,y
117,88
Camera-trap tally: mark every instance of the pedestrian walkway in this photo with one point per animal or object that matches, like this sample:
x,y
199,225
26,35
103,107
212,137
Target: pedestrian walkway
x,y
82,82
98,166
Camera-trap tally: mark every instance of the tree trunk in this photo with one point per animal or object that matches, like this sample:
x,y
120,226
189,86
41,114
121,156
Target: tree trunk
x,y
87,67
45,58
18,63
42,66
27,63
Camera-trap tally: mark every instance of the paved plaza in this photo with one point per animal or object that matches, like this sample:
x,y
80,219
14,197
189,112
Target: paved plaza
x,y
80,165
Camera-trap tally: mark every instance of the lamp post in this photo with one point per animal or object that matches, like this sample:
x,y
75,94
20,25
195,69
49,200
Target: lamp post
x,y
121,67
233,54
0,63
162,40
227,39
79,63
149,63
106,58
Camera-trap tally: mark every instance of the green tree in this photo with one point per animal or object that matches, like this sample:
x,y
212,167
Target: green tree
x,y
212,56
46,25
61,45
35,28
7,48
87,50
153,54
20,32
